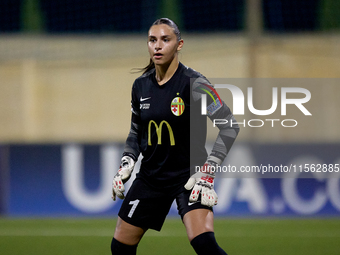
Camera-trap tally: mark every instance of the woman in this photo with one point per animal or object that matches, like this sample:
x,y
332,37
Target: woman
x,y
164,107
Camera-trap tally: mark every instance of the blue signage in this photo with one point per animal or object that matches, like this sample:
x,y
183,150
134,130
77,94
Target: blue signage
x,y
75,179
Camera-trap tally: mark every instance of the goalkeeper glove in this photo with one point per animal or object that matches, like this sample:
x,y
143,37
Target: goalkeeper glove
x,y
203,182
122,176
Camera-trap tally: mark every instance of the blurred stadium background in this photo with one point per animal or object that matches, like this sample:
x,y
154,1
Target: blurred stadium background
x,y
65,87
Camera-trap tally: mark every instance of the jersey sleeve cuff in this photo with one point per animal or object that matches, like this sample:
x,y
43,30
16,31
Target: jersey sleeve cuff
x,y
215,158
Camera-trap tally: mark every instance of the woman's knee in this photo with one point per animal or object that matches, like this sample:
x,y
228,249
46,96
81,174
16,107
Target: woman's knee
x,y
205,243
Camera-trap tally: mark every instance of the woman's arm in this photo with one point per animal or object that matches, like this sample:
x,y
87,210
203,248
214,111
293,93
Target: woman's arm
x,y
132,144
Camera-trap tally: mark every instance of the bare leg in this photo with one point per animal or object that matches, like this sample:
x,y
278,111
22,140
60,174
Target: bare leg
x,y
198,221
127,233
200,229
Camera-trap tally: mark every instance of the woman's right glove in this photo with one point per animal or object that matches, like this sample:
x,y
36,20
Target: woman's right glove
x,y
122,176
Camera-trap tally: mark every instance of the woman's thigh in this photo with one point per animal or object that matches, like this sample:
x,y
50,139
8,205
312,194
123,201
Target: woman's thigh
x,y
198,221
127,233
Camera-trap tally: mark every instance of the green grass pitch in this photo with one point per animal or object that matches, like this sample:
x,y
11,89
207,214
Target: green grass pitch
x,y
63,236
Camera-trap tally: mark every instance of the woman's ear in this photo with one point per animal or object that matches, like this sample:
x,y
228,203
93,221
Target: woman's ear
x,y
180,45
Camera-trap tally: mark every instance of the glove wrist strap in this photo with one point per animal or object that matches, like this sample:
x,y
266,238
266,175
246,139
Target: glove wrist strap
x,y
130,155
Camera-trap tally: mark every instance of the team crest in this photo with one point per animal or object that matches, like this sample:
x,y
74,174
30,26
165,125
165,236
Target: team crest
x,y
177,106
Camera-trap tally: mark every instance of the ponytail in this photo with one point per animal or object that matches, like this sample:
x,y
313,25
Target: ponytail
x,y
146,69
149,67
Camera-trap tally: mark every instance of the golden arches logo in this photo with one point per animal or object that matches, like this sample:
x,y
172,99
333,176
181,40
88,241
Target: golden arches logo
x,y
159,132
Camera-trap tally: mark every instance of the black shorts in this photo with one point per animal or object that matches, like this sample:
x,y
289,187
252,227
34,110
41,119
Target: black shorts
x,y
147,208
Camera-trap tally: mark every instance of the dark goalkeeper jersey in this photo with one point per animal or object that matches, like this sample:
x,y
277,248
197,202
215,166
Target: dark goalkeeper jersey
x,y
166,122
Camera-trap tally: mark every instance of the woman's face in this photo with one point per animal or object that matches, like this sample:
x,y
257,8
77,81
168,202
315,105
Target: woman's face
x,y
163,44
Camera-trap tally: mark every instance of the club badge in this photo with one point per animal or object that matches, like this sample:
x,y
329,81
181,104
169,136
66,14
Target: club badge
x,y
177,106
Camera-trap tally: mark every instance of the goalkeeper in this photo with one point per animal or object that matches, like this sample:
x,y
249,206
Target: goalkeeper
x,y
165,104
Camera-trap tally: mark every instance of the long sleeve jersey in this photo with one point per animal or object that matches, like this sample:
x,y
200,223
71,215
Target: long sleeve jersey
x,y
169,129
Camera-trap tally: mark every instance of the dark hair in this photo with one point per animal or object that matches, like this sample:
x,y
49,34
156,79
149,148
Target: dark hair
x,y
171,24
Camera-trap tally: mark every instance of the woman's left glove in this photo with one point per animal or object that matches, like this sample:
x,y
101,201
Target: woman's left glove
x,y
122,176
203,182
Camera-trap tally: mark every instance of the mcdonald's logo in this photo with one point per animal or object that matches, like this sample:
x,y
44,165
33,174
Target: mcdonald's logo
x,y
159,132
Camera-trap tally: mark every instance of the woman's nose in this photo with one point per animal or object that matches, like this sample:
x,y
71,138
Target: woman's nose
x,y
158,45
